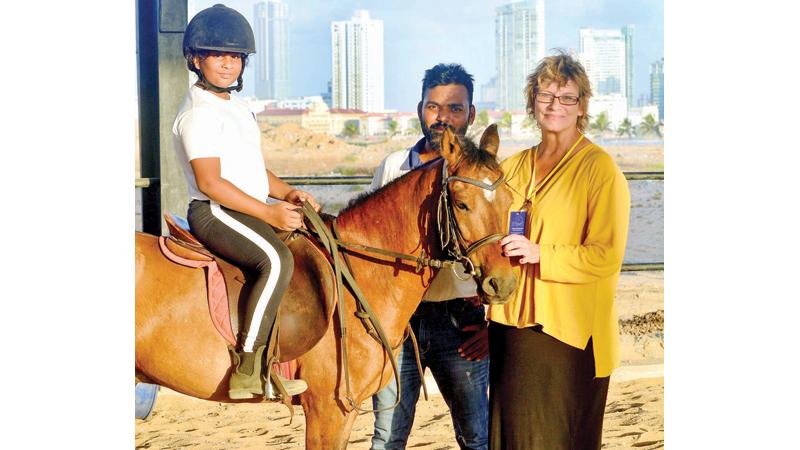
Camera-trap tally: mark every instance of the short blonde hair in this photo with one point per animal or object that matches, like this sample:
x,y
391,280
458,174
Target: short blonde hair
x,y
561,68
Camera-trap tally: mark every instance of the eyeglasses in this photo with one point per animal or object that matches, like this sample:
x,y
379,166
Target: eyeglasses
x,y
546,97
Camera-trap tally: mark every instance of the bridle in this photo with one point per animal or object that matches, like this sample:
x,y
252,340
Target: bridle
x,y
450,237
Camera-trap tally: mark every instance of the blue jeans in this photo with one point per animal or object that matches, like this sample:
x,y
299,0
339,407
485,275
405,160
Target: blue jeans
x,y
463,383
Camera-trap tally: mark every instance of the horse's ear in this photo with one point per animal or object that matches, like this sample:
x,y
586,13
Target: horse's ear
x,y
490,141
449,147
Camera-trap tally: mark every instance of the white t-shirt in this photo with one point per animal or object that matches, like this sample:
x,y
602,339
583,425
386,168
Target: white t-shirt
x,y
208,126
397,164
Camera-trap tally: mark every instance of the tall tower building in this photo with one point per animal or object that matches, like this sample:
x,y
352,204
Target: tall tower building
x,y
627,31
519,45
657,86
357,63
603,55
271,68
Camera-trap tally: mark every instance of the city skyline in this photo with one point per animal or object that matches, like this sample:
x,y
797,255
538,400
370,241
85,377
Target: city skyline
x,y
271,73
657,85
603,55
357,80
416,38
519,44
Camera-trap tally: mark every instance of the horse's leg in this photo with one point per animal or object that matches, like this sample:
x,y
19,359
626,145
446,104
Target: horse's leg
x,y
329,418
327,426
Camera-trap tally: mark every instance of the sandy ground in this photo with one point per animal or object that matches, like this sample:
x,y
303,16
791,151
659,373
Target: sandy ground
x,y
291,150
634,410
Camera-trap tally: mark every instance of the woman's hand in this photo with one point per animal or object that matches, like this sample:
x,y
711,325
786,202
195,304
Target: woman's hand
x,y
297,197
476,347
518,245
283,216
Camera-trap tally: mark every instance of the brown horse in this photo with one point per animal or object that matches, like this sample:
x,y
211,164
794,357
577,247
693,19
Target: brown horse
x,y
176,345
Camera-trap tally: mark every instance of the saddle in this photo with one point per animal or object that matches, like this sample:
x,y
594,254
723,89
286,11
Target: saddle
x,y
306,308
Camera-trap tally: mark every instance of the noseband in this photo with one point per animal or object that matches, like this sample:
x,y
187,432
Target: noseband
x,y
450,237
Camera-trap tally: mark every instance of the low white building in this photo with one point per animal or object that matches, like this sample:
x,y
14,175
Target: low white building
x,y
257,105
615,106
307,102
637,115
373,124
339,117
405,121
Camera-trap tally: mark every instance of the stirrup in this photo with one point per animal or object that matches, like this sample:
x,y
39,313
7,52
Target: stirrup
x,y
275,382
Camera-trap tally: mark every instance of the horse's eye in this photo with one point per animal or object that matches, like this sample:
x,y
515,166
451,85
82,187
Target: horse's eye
x,y
462,206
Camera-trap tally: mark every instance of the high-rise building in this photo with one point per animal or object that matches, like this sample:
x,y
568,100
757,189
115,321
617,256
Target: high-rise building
x,y
603,55
657,86
644,99
326,96
488,97
357,63
627,31
519,45
271,65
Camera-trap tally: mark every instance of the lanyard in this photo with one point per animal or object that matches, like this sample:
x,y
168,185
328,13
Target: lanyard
x,y
530,196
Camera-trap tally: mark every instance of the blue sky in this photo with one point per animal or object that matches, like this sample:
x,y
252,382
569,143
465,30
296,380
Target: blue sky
x,y
419,34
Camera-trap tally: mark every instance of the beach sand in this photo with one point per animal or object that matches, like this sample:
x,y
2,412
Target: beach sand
x,y
634,410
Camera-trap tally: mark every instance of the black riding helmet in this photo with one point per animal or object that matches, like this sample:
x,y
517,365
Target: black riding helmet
x,y
221,29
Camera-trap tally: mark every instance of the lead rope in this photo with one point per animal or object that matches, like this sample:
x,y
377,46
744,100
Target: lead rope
x,y
361,314
419,362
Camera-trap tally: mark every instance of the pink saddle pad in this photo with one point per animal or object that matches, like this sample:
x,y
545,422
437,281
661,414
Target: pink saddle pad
x,y
218,302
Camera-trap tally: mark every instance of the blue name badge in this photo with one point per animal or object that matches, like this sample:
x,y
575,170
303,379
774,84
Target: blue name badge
x,y
516,223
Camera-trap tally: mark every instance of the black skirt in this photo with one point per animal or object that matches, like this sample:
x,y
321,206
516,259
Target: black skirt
x,y
543,393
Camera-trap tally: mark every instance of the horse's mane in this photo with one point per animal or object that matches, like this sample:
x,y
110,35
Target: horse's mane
x,y
472,154
362,197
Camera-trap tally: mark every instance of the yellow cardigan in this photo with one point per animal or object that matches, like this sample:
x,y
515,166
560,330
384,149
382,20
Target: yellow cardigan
x,y
580,220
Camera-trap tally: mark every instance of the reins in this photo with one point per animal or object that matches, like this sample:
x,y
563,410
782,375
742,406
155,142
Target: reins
x,y
451,241
342,271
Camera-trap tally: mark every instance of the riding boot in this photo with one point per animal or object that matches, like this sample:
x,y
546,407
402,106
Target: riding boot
x,y
246,381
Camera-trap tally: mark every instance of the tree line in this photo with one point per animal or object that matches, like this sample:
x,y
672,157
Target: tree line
x,y
601,125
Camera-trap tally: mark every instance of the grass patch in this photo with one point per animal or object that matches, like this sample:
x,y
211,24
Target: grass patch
x,y
351,171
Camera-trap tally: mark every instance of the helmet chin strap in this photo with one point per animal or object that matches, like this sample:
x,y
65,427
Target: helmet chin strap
x,y
205,84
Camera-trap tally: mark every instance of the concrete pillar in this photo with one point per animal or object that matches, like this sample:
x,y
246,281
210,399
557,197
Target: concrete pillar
x,y
163,82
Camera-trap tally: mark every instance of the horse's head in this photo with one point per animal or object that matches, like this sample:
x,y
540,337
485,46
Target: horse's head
x,y
474,215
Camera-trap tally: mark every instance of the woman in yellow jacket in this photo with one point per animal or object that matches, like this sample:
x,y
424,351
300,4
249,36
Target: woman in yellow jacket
x,y
554,345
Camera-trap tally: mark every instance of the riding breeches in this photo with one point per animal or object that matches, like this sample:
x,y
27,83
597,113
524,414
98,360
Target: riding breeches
x,y
252,245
